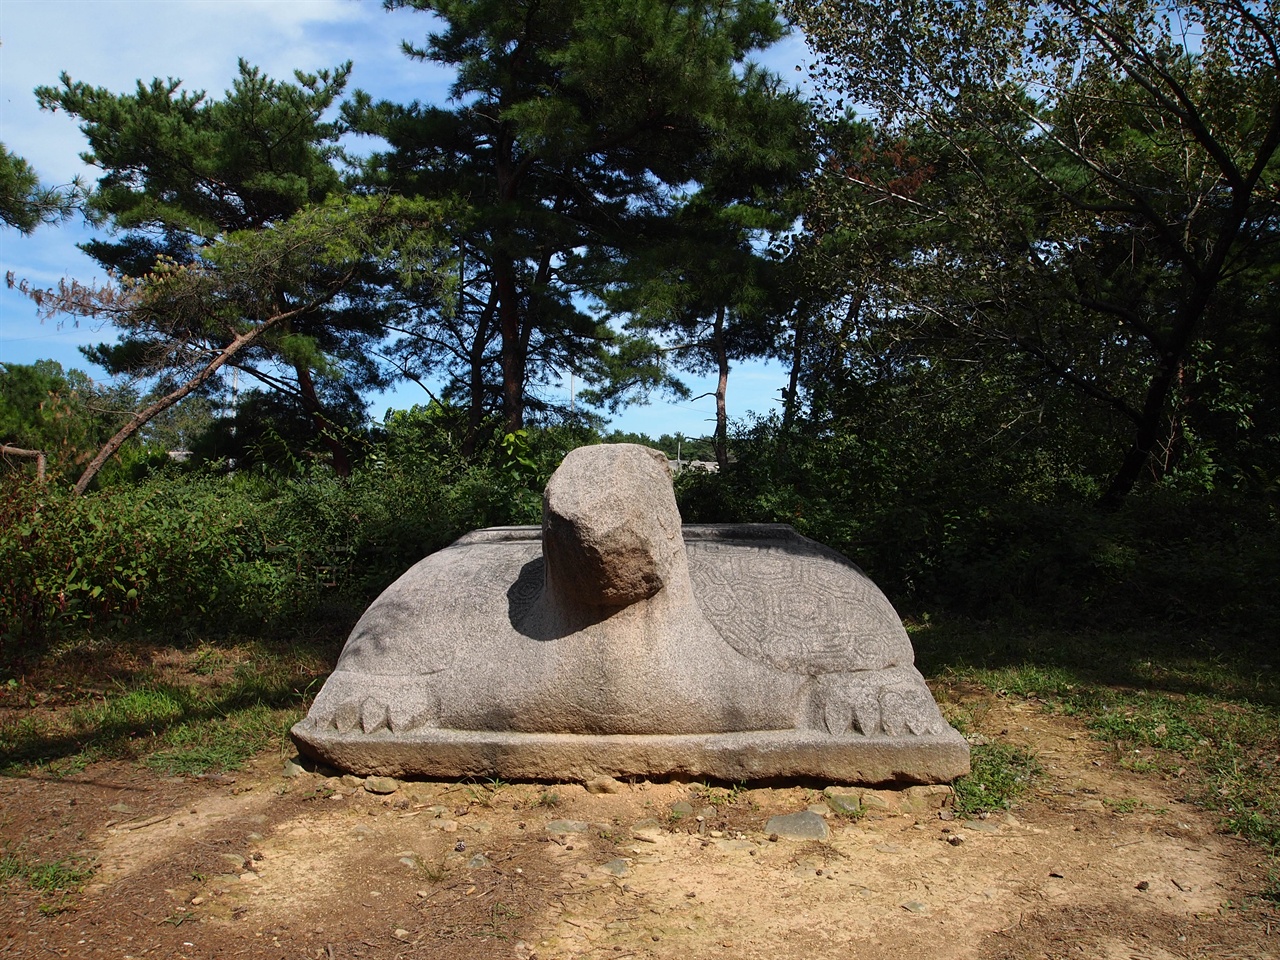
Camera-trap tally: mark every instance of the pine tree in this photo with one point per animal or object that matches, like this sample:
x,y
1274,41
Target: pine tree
x,y
573,123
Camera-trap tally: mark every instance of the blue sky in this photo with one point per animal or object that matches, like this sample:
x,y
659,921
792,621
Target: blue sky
x,y
113,43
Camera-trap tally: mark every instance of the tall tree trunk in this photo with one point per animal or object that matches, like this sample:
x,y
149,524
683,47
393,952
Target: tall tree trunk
x,y
1145,438
508,173
325,427
476,375
722,384
512,355
140,419
475,398
791,402
1155,406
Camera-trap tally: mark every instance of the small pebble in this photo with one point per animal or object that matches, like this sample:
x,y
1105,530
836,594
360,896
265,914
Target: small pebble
x,y
381,785
603,785
804,825
290,769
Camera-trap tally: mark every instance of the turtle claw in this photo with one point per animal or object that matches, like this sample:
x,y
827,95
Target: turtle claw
x,y
910,709
374,715
846,705
346,717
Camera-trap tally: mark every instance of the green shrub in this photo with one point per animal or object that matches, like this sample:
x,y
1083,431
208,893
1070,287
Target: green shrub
x,y
305,552
290,555
999,540
100,560
1000,774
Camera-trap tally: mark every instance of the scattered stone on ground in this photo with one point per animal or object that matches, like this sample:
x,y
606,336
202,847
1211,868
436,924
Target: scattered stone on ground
x,y
381,785
604,785
293,768
845,804
568,826
805,825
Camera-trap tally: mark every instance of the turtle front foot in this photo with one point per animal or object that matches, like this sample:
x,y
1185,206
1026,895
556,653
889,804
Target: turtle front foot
x,y
871,706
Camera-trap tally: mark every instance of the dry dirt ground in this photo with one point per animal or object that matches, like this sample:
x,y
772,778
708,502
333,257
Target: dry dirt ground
x,y
1095,862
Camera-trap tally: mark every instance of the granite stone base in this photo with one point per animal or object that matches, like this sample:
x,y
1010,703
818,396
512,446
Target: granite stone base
x,y
745,756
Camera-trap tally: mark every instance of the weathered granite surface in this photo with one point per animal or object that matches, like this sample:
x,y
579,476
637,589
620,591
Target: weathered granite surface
x,y
614,641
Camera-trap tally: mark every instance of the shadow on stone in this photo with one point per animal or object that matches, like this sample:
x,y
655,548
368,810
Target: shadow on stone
x,y
617,642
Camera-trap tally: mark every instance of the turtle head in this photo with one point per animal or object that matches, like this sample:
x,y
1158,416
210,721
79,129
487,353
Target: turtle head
x,y
610,526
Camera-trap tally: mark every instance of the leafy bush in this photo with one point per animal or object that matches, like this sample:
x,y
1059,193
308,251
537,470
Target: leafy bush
x,y
98,560
235,552
304,552
1037,547
1207,560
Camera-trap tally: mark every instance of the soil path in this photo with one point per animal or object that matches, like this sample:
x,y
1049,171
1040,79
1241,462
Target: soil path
x,y
1096,863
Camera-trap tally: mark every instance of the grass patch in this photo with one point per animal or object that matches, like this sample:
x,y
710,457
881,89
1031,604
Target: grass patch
x,y
60,876
1227,753
999,773
717,797
221,743
1122,804
162,710
1206,714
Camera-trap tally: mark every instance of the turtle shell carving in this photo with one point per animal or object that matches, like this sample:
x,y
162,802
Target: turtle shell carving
x,y
614,640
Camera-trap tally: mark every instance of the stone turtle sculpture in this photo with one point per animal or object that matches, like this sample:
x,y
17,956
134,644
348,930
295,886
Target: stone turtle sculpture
x,y
614,641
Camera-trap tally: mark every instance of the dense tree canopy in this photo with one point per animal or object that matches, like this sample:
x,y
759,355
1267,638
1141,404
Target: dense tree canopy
x,y
250,285
1024,249
573,124
182,170
1018,258
61,414
1091,188
24,202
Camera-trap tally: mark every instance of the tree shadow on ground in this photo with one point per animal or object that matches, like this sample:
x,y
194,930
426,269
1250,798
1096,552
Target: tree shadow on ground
x,y
1158,659
124,705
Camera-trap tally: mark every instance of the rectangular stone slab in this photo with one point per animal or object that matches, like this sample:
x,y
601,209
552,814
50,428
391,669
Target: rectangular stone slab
x,y
753,755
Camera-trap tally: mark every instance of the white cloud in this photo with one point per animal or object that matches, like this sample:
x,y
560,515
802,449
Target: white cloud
x,y
113,44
